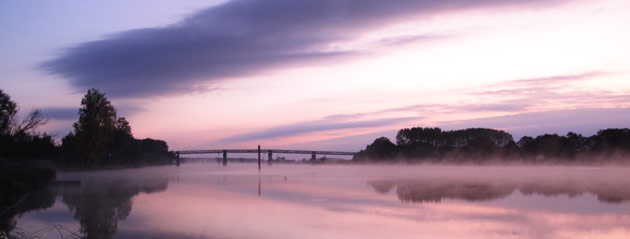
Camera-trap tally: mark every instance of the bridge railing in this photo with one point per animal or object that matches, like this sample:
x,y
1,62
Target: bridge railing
x,y
283,151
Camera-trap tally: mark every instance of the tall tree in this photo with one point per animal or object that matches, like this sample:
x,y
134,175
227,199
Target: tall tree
x,y
100,137
96,125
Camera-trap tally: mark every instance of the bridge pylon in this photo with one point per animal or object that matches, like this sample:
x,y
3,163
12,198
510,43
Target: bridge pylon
x,y
224,158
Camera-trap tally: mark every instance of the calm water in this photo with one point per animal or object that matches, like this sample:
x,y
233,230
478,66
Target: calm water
x,y
333,201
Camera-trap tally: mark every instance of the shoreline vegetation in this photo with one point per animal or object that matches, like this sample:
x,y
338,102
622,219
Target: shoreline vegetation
x,y
100,140
490,146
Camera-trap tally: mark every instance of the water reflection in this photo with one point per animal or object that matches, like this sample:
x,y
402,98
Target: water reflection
x,y
36,201
434,190
98,204
329,201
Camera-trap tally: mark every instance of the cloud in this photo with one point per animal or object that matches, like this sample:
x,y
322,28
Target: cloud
x,y
558,78
541,85
407,39
72,113
490,107
428,109
346,143
499,106
550,104
561,91
237,38
59,113
314,126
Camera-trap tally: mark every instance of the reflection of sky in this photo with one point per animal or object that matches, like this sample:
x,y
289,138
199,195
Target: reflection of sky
x,y
335,201
58,214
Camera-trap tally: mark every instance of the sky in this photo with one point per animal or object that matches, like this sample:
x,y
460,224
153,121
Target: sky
x,y
321,75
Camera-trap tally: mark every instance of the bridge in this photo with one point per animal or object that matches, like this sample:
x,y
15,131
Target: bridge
x,y
269,152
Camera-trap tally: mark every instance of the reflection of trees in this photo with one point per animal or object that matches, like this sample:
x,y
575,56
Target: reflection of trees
x,y
426,191
604,193
99,205
382,186
435,190
38,200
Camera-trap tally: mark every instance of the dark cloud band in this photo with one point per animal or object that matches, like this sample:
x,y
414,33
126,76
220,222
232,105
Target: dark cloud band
x,y
61,113
240,37
315,126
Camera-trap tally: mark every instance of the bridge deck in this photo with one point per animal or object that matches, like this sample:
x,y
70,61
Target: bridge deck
x,y
282,151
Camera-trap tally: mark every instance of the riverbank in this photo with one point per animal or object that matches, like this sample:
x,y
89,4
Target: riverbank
x,y
19,179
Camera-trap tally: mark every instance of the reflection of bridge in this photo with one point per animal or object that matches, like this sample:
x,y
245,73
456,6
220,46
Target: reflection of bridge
x,y
269,152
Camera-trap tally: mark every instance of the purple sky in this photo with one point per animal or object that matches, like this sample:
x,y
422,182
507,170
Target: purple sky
x,y
321,74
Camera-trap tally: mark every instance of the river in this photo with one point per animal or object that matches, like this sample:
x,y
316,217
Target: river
x,y
332,201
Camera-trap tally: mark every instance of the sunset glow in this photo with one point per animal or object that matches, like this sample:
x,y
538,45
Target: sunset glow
x,y
212,74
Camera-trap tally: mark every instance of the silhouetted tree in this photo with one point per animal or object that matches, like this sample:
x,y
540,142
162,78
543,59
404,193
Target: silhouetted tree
x,y
481,144
123,147
425,143
611,141
552,146
123,126
96,125
30,123
526,147
101,137
432,136
8,109
19,140
380,149
510,150
577,143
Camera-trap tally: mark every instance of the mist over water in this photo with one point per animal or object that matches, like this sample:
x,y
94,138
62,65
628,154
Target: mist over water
x,y
340,201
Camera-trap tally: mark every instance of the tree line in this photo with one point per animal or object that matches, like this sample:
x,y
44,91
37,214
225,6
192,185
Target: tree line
x,y
483,144
99,137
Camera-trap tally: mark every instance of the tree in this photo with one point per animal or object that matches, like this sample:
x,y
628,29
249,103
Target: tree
x,y
8,109
577,143
552,146
30,123
380,149
122,146
8,124
96,125
526,146
122,125
431,136
19,140
610,141
100,137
